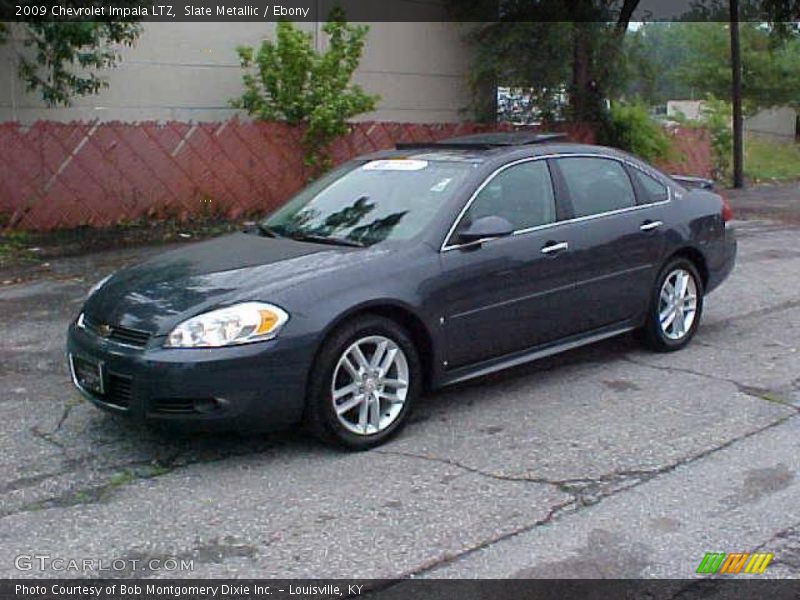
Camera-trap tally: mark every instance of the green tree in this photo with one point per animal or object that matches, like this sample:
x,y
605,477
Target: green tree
x,y
549,48
59,60
652,52
288,80
770,66
688,60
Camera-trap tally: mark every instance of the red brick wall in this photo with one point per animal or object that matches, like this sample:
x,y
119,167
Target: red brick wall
x,y
55,175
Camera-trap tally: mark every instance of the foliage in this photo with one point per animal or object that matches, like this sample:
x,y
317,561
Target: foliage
x,y
766,159
14,248
60,58
716,116
770,69
630,127
548,50
781,14
528,57
652,52
287,80
689,60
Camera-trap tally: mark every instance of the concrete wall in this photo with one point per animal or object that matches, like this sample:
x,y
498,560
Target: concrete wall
x,y
688,109
778,123
189,71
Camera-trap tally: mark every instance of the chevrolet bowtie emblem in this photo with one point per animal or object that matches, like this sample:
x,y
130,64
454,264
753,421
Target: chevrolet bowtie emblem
x,y
104,330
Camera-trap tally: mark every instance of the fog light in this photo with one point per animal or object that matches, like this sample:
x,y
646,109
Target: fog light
x,y
207,406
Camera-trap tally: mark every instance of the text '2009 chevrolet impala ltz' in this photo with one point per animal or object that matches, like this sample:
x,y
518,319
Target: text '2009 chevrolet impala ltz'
x,y
403,270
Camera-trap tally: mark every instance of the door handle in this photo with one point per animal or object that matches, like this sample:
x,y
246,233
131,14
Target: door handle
x,y
651,225
554,248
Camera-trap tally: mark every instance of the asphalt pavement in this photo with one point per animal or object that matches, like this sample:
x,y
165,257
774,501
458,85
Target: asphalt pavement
x,y
608,461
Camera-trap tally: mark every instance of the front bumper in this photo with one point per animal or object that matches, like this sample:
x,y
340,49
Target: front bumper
x,y
257,386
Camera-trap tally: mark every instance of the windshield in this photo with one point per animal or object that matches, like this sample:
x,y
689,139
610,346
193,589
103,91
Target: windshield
x,y
373,202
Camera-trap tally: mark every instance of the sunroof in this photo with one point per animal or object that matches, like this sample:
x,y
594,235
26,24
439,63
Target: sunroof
x,y
488,140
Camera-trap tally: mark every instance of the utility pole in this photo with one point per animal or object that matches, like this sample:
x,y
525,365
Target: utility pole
x,y
736,97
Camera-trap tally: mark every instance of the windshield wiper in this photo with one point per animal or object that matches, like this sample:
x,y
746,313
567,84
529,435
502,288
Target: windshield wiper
x,y
267,231
321,239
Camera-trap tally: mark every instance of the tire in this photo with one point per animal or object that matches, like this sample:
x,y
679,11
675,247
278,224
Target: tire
x,y
671,336
341,378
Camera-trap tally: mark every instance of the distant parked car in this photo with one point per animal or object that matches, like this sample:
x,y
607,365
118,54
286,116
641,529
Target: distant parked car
x,y
403,270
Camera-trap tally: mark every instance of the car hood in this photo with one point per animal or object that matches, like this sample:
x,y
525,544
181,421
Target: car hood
x,y
157,294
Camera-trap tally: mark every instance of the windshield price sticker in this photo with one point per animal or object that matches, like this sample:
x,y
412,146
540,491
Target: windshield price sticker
x,y
396,165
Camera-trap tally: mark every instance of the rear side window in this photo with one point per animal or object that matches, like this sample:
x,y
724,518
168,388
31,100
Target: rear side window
x,y
522,194
652,189
596,185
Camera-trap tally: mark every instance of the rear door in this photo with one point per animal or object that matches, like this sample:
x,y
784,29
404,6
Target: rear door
x,y
618,242
515,292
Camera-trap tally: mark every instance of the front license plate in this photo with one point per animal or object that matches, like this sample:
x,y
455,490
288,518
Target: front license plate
x,y
88,374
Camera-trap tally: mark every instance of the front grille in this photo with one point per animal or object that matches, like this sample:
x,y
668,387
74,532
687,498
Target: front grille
x,y
119,391
116,333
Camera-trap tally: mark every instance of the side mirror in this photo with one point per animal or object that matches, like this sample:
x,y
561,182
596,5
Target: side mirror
x,y
485,228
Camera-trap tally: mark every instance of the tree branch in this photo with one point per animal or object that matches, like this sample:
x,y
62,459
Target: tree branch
x,y
625,14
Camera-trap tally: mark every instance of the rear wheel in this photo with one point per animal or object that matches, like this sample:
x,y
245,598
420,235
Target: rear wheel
x,y
363,384
675,307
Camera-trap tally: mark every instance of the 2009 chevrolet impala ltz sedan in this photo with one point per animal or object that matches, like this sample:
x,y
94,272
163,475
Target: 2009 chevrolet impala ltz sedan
x,y
401,271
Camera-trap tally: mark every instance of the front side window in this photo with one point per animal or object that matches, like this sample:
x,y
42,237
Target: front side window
x,y
522,194
596,185
392,199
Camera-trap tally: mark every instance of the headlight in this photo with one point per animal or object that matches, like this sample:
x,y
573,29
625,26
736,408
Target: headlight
x,y
98,285
238,324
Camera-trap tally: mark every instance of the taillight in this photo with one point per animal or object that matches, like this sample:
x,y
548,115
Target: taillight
x,y
727,211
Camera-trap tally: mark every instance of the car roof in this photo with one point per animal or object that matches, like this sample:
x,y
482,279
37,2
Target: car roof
x,y
488,141
486,147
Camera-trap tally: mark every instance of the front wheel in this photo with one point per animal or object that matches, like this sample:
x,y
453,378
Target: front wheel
x,y
675,307
363,384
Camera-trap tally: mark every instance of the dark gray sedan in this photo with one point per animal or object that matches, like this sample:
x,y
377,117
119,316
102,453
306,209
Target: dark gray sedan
x,y
402,271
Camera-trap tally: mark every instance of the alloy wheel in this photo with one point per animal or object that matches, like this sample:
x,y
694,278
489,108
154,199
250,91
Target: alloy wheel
x,y
677,306
370,385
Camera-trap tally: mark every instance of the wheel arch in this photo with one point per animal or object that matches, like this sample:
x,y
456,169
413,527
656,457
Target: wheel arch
x,y
401,314
697,258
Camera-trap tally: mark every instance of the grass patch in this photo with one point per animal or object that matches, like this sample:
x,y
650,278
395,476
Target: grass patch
x,y
120,479
20,248
768,160
14,247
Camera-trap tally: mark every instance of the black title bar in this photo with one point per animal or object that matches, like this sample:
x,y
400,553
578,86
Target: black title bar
x,y
381,10
513,589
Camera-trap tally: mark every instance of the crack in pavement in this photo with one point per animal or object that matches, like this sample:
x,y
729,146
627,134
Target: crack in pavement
x,y
784,533
141,470
452,557
119,477
757,313
599,488
48,437
459,465
69,404
748,390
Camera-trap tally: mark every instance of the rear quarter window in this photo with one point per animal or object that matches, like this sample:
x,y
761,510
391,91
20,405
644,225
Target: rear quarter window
x,y
650,188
